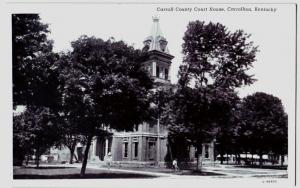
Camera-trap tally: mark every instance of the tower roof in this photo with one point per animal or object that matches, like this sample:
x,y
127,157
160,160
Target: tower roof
x,y
156,40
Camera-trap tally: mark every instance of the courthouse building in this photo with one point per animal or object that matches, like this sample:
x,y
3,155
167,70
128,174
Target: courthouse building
x,y
148,143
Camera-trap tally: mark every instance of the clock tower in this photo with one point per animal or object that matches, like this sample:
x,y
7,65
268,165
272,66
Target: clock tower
x,y
159,58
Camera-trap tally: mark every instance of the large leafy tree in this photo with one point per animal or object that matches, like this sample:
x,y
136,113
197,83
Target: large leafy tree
x,y
199,116
105,86
215,56
215,63
263,124
34,81
67,118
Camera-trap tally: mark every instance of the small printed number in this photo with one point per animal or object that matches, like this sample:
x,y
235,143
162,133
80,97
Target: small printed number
x,y
270,181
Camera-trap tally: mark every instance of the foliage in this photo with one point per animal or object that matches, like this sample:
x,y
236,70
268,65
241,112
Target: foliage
x,y
34,85
199,114
34,82
113,82
215,64
215,56
104,86
263,124
35,129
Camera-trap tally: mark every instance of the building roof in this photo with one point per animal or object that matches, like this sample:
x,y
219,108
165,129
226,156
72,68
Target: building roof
x,y
156,40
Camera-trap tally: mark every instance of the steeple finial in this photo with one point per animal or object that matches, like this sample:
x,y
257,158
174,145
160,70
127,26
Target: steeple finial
x,y
156,40
155,18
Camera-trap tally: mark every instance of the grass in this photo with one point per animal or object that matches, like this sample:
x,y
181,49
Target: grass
x,y
70,173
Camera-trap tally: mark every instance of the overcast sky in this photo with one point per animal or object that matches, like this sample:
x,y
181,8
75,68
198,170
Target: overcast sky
x,y
273,32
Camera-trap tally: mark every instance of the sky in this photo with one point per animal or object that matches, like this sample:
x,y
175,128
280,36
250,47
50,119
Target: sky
x,y
273,32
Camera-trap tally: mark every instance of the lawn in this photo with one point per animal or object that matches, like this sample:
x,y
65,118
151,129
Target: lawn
x,y
70,173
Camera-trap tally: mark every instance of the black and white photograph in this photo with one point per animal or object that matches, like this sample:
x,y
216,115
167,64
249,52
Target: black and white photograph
x,y
152,92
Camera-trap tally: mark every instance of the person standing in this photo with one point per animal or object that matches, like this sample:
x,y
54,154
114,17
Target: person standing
x,y
108,160
175,165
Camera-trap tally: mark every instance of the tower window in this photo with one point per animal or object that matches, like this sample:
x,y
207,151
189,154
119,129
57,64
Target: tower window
x,y
157,71
166,74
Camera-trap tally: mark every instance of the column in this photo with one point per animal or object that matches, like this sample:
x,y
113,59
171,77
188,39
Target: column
x,y
158,140
94,146
211,153
203,151
154,68
106,147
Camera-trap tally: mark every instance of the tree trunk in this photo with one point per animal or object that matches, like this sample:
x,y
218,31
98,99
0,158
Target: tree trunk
x,y
71,155
260,159
199,163
227,158
282,160
235,155
72,149
76,159
222,157
27,159
86,153
239,159
37,158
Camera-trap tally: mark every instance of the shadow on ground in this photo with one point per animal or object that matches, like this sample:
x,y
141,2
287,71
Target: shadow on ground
x,y
54,172
200,173
87,176
47,167
263,167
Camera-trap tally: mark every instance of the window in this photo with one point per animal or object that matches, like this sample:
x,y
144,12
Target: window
x,y
125,153
151,127
136,149
109,145
149,69
157,71
206,151
166,74
151,150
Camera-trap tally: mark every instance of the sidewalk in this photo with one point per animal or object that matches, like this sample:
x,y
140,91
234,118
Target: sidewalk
x,y
240,172
224,171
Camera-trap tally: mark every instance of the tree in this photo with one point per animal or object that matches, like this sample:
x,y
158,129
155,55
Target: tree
x,y
105,87
199,118
215,56
66,120
34,82
34,79
215,63
264,124
21,141
35,131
